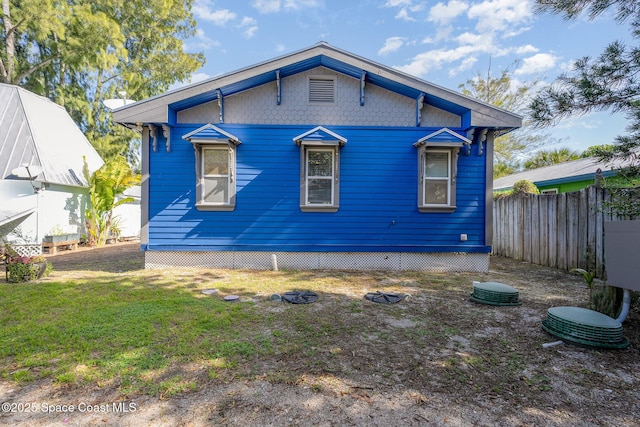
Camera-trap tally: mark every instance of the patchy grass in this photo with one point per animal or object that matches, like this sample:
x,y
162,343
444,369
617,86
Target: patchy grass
x,y
155,333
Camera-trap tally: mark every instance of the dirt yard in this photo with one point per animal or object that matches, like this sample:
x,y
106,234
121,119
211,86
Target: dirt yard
x,y
434,359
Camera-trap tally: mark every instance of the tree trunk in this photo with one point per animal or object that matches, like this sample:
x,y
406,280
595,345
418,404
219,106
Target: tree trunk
x,y
7,69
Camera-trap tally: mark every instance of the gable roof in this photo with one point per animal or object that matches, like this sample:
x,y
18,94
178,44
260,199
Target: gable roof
x,y
157,110
208,132
573,171
38,132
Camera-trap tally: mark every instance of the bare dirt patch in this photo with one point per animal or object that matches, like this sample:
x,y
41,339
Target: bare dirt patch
x,y
435,358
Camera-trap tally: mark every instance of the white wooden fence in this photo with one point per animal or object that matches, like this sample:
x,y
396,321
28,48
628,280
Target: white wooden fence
x,y
559,230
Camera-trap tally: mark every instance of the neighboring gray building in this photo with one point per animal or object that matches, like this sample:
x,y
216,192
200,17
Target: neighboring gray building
x,y
42,186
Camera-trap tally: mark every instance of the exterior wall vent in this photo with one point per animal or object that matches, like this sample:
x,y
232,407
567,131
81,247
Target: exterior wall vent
x,y
322,90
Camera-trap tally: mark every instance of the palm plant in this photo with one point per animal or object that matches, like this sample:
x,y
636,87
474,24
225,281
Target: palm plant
x,y
105,184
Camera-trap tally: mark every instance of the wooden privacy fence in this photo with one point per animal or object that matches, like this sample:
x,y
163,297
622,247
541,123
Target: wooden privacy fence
x,y
565,230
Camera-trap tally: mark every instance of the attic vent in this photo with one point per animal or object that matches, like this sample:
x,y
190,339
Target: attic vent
x,y
322,89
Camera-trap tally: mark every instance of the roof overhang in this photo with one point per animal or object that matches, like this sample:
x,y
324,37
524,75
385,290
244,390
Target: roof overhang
x,y
159,109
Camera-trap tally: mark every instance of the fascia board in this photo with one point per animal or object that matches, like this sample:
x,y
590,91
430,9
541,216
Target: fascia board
x,y
483,114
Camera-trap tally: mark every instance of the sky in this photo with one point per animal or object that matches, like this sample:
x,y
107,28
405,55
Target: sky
x,y
444,42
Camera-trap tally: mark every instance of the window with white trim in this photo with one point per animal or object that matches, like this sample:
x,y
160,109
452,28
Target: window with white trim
x,y
319,178
215,185
319,169
437,184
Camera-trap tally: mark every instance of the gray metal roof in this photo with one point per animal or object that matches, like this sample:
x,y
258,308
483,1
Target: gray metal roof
x,y
9,220
38,132
576,170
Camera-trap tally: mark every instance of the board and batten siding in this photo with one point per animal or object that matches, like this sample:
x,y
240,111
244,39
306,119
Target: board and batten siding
x,y
378,197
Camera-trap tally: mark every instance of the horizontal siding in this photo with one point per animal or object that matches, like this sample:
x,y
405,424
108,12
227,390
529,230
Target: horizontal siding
x,y
378,197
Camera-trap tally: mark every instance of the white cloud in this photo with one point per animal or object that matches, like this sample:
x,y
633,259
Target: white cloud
x,y
396,3
445,13
267,6
392,44
500,15
537,64
202,42
300,4
249,26
274,6
280,47
526,49
203,9
407,8
197,77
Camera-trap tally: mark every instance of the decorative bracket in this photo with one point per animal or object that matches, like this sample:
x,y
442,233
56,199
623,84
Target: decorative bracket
x,y
279,88
166,132
221,104
481,139
419,105
153,133
362,83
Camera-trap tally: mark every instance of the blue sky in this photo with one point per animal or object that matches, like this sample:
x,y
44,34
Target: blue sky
x,y
444,42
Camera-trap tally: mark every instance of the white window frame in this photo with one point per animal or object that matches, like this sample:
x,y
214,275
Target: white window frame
x,y
452,160
200,148
549,191
330,178
305,205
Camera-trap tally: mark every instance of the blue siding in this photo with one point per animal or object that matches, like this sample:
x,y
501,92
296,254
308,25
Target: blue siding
x,y
378,197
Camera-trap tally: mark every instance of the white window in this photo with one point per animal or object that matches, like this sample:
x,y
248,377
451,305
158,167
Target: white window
x,y
436,188
216,176
437,170
320,166
215,152
549,191
319,170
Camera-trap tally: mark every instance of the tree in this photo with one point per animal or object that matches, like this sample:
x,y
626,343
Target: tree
x,y
500,91
610,82
551,157
105,185
78,53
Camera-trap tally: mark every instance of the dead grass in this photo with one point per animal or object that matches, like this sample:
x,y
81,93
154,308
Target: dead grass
x,y
435,358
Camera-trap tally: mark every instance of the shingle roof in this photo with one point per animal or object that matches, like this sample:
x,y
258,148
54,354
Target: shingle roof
x,y
38,132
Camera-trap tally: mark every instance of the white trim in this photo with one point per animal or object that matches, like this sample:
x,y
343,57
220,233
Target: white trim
x,y
203,140
447,179
424,139
330,178
300,138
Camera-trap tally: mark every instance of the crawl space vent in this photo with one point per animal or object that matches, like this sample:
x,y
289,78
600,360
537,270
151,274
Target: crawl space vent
x,y
494,293
583,326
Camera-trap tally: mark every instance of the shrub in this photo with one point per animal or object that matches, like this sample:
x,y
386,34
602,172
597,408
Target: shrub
x,y
24,268
525,187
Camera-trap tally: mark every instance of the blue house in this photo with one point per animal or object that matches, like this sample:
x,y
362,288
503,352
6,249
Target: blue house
x,y
317,159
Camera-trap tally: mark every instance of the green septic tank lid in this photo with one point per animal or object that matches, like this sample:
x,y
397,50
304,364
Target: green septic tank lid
x,y
494,293
583,326
584,316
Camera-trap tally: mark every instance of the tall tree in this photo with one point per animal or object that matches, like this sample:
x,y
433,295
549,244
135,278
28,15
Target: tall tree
x,y
551,157
78,53
509,149
610,81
